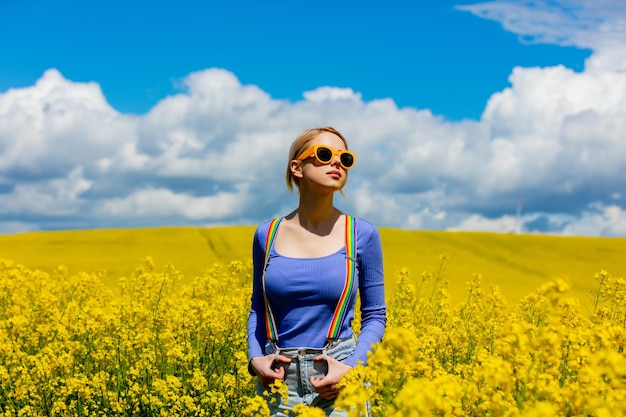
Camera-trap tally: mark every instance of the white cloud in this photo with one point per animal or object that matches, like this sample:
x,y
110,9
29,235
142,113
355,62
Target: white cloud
x,y
476,222
165,204
599,220
323,94
203,155
587,24
56,125
51,197
556,126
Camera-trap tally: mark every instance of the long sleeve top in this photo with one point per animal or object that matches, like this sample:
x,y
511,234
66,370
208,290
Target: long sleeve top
x,y
303,294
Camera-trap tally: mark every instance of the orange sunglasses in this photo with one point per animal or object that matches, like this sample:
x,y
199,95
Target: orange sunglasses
x,y
325,154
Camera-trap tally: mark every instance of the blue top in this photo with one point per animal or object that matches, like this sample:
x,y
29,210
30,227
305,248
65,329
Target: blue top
x,y
304,292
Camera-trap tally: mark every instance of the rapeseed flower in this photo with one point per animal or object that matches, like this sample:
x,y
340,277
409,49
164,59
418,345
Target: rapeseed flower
x,y
71,346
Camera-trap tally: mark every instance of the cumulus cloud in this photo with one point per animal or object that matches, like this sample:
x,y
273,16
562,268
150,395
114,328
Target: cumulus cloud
x,y
56,125
165,204
599,219
504,224
54,196
215,153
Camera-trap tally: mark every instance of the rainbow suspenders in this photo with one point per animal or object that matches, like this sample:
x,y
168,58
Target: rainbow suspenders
x,y
342,305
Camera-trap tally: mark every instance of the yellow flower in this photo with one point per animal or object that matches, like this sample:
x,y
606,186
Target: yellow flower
x,y
302,410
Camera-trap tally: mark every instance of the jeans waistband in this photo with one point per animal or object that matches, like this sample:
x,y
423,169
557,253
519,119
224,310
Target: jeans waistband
x,y
294,352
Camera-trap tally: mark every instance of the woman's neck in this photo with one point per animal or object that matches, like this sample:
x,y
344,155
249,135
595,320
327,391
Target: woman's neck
x,y
317,212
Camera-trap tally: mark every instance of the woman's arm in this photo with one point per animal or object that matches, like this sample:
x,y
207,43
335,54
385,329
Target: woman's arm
x,y
371,290
256,329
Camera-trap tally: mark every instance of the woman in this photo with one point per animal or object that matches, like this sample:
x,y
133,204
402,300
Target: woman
x,y
308,267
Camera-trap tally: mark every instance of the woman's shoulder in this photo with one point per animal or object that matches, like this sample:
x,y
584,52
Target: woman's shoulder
x,y
263,228
264,225
367,235
365,230
364,224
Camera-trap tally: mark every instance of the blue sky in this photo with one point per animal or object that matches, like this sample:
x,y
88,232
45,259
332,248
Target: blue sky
x,y
420,54
129,114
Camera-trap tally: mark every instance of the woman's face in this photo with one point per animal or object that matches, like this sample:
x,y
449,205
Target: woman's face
x,y
312,172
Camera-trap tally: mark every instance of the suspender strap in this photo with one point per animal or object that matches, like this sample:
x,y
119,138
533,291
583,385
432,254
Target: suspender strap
x,y
270,324
344,300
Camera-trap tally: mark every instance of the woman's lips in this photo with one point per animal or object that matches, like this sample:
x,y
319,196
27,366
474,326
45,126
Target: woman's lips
x,y
335,174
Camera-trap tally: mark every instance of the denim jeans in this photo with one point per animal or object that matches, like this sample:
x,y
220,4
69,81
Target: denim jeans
x,y
298,374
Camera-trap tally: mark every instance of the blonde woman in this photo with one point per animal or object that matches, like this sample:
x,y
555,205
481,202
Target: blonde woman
x,y
308,267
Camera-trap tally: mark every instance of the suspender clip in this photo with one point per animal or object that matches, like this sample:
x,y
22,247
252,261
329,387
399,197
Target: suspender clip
x,y
276,350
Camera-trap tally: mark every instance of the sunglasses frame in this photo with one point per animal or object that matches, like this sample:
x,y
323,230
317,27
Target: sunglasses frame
x,y
312,151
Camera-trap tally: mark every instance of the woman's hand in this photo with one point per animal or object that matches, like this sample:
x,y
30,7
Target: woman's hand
x,y
326,387
268,368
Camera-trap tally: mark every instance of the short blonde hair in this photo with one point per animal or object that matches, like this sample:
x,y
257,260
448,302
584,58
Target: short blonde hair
x,y
301,143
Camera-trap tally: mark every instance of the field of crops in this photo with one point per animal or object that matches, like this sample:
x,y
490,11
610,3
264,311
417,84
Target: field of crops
x,y
517,264
478,324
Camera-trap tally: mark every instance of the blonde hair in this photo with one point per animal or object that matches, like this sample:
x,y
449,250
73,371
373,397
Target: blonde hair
x,y
301,143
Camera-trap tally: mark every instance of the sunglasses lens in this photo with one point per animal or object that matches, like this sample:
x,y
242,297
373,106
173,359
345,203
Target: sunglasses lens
x,y
347,160
324,154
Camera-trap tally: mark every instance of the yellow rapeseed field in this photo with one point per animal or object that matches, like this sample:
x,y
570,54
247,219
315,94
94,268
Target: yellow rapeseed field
x,y
99,337
118,251
517,264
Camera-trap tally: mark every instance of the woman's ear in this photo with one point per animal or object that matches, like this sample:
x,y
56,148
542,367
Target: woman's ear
x,y
296,168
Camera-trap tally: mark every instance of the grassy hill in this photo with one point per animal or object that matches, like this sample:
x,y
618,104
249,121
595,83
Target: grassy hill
x,y
518,264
